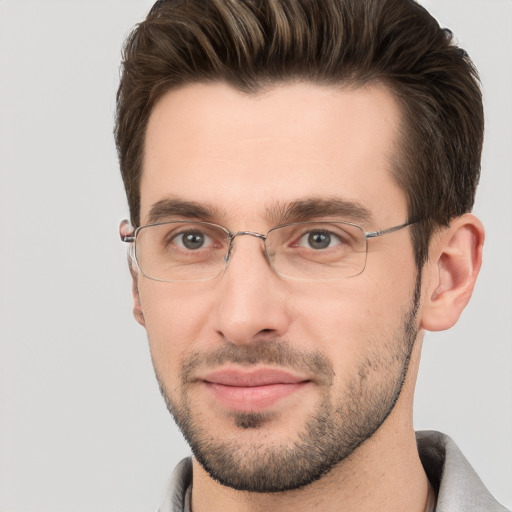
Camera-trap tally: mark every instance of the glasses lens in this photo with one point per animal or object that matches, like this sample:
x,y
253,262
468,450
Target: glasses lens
x,y
317,250
181,251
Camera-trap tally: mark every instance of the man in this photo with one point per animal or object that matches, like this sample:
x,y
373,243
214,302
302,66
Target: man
x,y
300,176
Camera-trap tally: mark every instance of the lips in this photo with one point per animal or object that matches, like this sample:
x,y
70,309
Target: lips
x,y
252,390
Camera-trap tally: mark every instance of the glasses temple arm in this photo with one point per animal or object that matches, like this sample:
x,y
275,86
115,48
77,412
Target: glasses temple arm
x,y
374,234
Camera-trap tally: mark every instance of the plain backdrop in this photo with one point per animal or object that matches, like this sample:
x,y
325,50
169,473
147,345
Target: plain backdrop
x,y
82,425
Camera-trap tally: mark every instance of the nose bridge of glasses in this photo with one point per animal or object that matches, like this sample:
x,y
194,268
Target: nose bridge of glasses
x,y
242,233
249,233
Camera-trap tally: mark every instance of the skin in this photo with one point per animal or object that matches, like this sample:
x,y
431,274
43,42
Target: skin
x,y
243,156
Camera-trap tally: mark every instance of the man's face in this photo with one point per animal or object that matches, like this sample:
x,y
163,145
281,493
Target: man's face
x,y
273,380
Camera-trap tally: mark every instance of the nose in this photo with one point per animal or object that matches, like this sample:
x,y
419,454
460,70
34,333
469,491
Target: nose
x,y
252,298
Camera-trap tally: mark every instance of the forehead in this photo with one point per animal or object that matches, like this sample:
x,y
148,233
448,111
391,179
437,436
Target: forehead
x,y
242,154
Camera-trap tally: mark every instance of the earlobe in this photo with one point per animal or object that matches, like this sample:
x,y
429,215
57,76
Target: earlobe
x,y
454,263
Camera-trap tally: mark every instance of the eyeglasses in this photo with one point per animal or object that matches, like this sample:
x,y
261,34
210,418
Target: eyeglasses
x,y
198,251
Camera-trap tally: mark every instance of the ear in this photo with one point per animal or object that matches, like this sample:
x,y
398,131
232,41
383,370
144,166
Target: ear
x,y
137,307
455,258
126,230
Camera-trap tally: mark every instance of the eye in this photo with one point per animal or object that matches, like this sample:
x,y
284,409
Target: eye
x,y
319,239
192,240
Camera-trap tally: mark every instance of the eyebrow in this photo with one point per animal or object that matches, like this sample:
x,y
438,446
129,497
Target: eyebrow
x,y
280,213
170,207
310,208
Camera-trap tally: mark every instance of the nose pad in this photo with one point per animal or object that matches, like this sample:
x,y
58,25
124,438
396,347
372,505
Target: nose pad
x,y
230,252
231,248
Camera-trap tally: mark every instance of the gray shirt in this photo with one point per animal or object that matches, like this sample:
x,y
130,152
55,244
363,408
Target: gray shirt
x,y
458,487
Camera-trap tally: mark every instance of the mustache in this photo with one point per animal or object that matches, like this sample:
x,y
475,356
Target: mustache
x,y
273,353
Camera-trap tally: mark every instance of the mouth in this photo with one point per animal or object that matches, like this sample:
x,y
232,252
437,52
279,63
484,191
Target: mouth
x,y
254,390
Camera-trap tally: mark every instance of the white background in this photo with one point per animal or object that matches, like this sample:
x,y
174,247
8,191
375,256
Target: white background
x,y
82,425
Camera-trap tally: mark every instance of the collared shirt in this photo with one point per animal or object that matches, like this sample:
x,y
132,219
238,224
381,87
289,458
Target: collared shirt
x,y
458,487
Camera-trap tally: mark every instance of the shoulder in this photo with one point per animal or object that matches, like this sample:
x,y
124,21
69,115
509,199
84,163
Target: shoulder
x,y
174,498
458,486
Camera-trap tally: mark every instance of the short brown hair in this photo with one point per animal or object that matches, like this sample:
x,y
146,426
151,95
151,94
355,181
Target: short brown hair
x,y
253,44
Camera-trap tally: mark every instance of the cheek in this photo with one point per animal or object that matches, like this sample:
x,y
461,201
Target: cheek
x,y
349,322
175,319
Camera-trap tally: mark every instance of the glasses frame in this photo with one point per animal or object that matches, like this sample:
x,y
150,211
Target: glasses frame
x,y
231,236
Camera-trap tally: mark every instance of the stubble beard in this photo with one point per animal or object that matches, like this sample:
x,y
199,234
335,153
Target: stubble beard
x,y
332,432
